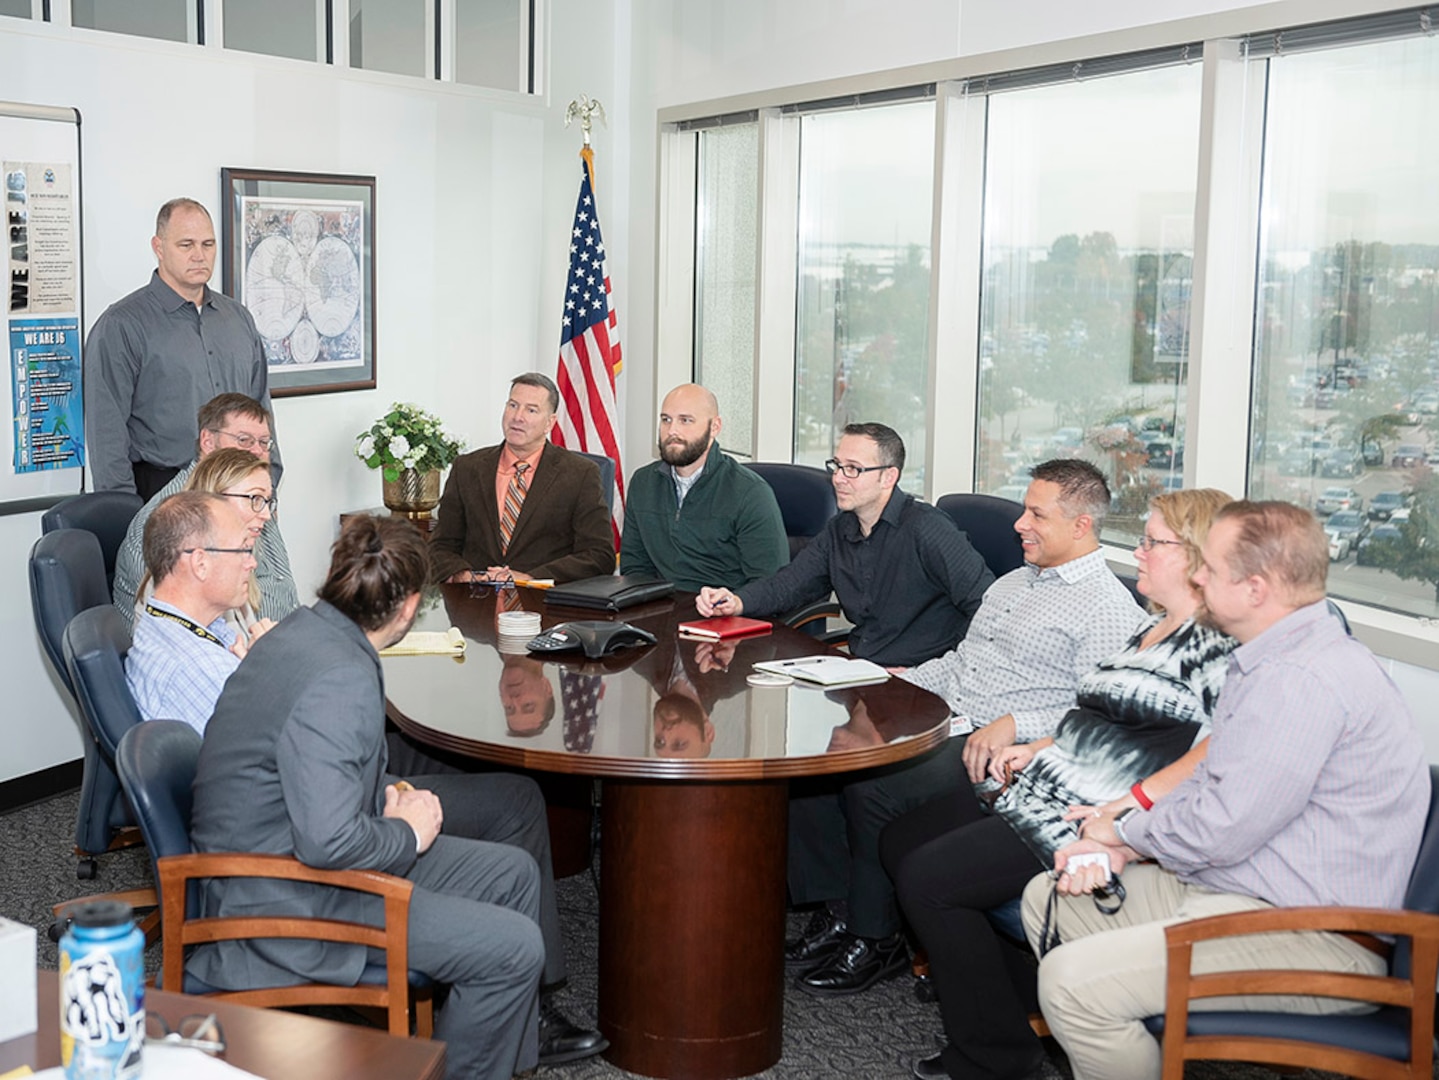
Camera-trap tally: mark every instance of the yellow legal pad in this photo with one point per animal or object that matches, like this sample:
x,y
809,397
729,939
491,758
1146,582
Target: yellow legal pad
x,y
428,643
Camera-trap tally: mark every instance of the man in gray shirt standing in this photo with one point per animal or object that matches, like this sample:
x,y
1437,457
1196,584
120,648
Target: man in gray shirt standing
x,y
154,357
1314,793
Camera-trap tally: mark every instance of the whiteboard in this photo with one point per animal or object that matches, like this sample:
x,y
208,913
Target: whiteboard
x,y
42,436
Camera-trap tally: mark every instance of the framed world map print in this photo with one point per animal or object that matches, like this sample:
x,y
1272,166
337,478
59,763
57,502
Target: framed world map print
x,y
299,254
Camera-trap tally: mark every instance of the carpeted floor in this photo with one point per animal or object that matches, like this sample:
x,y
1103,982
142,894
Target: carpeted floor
x,y
875,1035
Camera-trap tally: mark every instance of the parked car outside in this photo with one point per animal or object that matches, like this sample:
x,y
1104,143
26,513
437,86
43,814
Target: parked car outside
x,y
1350,525
1296,462
1368,551
1339,498
1338,546
1384,504
1407,456
1342,463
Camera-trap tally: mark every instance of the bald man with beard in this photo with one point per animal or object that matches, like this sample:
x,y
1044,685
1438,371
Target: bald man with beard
x,y
696,517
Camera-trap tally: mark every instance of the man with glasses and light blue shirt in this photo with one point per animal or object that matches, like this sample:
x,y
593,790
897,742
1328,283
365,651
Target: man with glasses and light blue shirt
x,y
200,553
230,420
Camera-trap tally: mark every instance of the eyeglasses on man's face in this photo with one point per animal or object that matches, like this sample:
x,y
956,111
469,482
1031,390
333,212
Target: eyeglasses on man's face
x,y
220,551
244,440
1149,543
851,472
258,502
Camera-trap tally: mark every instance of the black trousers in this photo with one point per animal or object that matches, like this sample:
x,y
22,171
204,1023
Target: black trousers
x,y
951,862
149,479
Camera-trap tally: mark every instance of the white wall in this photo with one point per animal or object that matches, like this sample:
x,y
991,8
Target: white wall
x,y
475,193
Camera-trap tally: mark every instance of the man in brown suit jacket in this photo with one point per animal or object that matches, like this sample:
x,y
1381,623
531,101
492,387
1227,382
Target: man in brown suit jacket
x,y
563,527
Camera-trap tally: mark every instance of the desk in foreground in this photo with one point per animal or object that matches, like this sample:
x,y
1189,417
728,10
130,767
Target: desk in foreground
x,y
267,1042
695,809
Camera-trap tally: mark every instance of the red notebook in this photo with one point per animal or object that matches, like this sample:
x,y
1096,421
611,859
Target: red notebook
x,y
726,626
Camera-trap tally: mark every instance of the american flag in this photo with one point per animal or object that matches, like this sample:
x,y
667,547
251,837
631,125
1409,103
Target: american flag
x,y
581,695
590,346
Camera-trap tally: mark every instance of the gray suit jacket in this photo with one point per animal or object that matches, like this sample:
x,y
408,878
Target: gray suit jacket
x,y
564,526
293,763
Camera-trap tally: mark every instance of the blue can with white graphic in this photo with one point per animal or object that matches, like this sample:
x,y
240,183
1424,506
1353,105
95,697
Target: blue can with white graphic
x,y
102,993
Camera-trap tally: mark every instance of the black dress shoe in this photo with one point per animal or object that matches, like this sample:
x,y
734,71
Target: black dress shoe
x,y
930,1068
857,965
822,937
562,1041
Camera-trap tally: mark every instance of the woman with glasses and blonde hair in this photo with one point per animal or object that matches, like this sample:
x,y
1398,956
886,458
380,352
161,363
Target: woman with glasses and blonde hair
x,y
1139,727
244,481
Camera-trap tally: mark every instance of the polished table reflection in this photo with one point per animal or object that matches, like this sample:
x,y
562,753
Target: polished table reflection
x,y
694,811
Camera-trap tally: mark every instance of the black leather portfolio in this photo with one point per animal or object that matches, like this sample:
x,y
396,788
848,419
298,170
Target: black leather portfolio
x,y
609,593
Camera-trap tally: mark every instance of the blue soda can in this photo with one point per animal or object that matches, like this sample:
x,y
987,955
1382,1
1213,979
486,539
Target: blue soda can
x,y
102,993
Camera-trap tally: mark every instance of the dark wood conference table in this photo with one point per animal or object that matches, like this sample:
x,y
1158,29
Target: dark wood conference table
x,y
267,1042
695,764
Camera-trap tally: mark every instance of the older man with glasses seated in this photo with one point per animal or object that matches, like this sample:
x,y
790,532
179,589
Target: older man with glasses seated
x,y
226,422
200,553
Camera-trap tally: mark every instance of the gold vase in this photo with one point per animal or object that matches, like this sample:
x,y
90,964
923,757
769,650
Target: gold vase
x,y
414,493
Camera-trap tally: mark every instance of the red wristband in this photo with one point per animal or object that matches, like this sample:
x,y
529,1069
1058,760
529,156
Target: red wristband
x,y
1145,802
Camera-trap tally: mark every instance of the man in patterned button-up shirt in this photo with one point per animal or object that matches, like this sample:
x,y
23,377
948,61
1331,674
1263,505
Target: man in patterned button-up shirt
x,y
1010,680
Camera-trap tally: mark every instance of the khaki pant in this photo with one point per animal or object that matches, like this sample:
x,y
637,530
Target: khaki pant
x,y
1096,987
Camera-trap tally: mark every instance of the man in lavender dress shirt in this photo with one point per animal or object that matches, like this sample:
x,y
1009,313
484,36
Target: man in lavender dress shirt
x,y
1314,792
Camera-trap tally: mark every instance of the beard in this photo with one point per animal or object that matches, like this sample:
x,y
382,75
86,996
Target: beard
x,y
681,454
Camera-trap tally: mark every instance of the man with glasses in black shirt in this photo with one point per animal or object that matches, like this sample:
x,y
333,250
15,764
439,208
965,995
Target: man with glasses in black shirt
x,y
906,578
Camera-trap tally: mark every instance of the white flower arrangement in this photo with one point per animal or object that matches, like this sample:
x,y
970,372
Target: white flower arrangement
x,y
404,438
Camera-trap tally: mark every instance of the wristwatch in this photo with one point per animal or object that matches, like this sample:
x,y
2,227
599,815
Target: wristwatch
x,y
1119,820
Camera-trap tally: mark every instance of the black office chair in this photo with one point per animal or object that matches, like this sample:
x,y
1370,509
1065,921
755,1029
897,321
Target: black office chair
x,y
67,576
806,502
607,476
107,514
95,644
988,521
805,496
1395,1040
157,761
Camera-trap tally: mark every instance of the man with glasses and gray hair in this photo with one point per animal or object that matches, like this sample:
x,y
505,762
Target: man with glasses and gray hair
x,y
229,420
200,554
906,578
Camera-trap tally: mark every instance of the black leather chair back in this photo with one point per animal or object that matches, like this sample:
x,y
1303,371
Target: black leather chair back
x,y
107,514
96,642
805,496
1423,891
607,476
156,761
67,576
988,521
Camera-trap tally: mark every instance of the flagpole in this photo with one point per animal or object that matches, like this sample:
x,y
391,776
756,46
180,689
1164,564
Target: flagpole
x,y
590,357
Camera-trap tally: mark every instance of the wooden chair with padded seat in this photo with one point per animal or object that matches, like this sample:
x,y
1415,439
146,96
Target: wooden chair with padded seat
x,y
1396,1040
157,761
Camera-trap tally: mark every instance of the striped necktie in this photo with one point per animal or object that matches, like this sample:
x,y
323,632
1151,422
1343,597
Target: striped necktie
x,y
514,499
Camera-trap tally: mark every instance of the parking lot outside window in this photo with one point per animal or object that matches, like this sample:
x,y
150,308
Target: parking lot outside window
x,y
1346,363
1085,294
